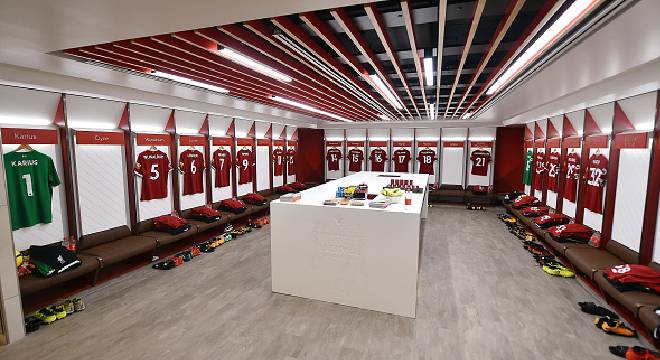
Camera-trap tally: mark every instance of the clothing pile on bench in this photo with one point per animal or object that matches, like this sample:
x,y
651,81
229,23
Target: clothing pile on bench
x,y
205,214
52,259
171,224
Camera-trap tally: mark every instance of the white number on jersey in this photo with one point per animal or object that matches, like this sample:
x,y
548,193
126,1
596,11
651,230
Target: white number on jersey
x,y
401,159
222,163
155,174
355,157
245,163
378,158
479,162
28,184
426,159
333,157
193,168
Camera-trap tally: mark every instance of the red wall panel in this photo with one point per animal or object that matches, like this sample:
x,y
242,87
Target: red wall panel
x,y
509,159
311,163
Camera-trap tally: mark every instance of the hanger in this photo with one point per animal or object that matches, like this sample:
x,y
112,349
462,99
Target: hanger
x,y
153,148
26,147
192,147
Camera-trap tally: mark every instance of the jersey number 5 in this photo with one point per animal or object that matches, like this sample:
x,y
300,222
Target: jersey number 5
x,y
155,174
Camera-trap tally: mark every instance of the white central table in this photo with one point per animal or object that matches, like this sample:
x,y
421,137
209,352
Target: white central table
x,y
355,256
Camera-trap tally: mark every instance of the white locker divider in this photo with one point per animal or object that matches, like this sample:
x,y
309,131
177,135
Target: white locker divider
x,y
46,141
101,179
195,143
147,144
279,162
222,162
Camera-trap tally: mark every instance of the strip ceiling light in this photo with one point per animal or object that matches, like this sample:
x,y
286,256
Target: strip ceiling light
x,y
308,108
385,91
428,71
432,111
187,81
577,11
253,64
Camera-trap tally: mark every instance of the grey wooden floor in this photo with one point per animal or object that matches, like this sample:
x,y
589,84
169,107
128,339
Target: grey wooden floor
x,y
480,297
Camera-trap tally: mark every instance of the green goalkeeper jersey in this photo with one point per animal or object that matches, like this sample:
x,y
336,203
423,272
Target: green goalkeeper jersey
x,y
31,176
527,178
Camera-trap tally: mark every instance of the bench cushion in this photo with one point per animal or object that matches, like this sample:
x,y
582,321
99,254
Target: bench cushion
x,y
30,284
102,237
163,238
590,260
122,249
631,300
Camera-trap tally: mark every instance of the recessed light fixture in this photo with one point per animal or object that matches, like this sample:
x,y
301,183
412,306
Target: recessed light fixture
x,y
577,10
645,126
428,71
383,117
385,91
23,120
466,116
241,59
81,124
308,108
184,80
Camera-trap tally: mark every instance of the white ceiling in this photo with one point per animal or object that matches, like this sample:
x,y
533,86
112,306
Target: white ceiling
x,y
594,70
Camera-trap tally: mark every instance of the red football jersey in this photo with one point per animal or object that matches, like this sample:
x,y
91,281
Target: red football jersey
x,y
291,161
278,162
355,158
480,160
154,166
222,165
401,159
333,157
596,175
244,161
378,158
426,159
539,168
553,170
572,176
192,164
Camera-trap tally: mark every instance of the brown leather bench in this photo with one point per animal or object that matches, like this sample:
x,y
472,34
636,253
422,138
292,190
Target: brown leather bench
x,y
590,260
33,283
115,245
146,229
449,193
631,300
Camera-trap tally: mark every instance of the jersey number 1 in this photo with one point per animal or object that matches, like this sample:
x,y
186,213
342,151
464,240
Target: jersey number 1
x,y
28,184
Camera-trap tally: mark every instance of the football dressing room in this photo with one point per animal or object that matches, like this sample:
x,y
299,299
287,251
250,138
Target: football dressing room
x,y
330,180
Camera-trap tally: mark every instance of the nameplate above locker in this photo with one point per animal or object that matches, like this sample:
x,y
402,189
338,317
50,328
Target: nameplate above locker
x,y
263,142
453,144
401,143
153,139
377,143
29,136
428,144
99,138
218,141
355,143
481,144
192,140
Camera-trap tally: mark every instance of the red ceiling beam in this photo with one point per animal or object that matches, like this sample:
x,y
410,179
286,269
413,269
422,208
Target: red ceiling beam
x,y
379,25
261,31
136,65
238,70
305,40
224,39
354,34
